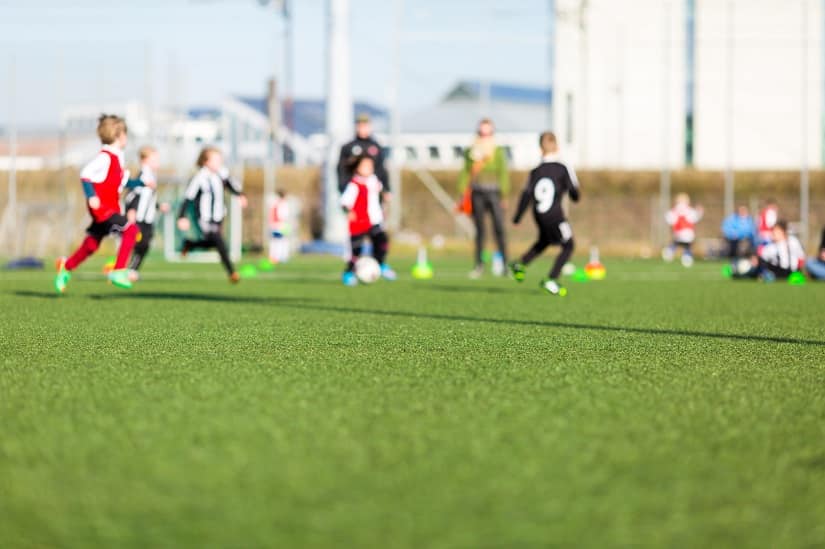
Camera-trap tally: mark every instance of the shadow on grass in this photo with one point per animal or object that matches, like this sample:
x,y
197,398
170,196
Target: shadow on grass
x,y
568,325
468,289
177,296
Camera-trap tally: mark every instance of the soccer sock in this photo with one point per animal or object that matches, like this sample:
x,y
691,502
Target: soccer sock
x,y
220,245
138,254
380,244
127,242
87,248
566,252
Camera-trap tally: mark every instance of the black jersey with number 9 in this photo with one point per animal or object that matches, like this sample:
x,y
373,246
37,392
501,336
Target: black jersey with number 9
x,y
545,190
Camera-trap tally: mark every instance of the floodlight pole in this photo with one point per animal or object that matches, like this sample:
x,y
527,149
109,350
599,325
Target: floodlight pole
x,y
729,50
804,176
12,204
664,184
551,57
339,112
395,122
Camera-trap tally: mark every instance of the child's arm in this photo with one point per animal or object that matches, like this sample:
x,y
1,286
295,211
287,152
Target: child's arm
x,y
348,197
141,181
524,200
189,196
233,186
574,184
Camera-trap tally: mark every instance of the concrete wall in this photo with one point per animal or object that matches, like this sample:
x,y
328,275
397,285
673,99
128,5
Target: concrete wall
x,y
623,64
752,76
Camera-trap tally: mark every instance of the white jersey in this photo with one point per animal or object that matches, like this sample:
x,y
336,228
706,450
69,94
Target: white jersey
x,y
144,199
206,190
785,255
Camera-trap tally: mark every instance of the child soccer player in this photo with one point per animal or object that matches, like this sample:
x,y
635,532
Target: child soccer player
x,y
768,217
545,189
682,219
361,201
141,207
279,227
779,259
205,193
102,179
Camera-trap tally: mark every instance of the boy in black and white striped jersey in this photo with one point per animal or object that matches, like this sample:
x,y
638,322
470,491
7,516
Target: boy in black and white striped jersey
x,y
142,207
205,194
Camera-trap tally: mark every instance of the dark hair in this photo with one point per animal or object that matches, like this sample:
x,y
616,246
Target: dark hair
x,y
782,224
355,161
547,136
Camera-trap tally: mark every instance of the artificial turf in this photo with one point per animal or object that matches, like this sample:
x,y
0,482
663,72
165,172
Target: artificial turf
x,y
658,408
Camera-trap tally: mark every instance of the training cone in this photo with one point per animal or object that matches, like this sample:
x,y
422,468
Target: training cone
x,y
423,269
594,268
796,279
265,265
579,276
248,271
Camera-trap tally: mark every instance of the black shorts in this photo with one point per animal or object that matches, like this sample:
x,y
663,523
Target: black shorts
x,y
556,233
114,225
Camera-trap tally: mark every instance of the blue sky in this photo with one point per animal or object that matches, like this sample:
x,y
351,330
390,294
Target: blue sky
x,y
89,51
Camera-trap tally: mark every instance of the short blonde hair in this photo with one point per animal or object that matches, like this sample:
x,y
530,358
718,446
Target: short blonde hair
x,y
203,157
146,151
110,127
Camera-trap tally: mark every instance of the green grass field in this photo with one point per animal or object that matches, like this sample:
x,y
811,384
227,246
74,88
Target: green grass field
x,y
659,408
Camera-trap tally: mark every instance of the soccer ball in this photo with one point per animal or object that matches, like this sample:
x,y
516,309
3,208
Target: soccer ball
x,y
742,266
367,270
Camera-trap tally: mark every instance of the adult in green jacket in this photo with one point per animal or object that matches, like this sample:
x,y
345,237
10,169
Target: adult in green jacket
x,y
485,173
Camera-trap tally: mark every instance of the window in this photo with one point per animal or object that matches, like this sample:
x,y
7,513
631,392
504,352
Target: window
x,y
458,152
435,154
412,154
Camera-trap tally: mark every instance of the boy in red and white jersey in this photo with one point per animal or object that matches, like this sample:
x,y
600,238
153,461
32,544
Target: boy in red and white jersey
x,y
279,226
767,220
361,201
103,179
682,219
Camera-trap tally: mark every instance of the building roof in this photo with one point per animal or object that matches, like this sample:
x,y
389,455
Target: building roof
x,y
476,90
513,109
308,116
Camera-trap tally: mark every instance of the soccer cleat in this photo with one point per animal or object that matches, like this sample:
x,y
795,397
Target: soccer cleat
x,y
477,273
687,260
668,253
518,271
234,278
387,273
553,288
63,276
349,279
120,279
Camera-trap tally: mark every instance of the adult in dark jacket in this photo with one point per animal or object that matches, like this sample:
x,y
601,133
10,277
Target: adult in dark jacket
x,y
364,144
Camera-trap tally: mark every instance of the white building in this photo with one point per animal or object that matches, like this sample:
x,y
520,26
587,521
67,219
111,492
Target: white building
x,y
640,84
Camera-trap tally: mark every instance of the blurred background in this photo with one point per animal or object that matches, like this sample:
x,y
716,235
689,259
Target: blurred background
x,y
722,99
